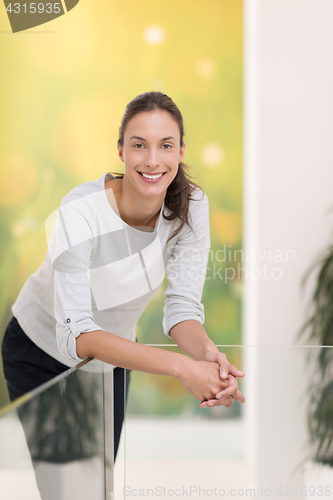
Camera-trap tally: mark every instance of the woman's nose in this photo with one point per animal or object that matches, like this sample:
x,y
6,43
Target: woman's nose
x,y
152,158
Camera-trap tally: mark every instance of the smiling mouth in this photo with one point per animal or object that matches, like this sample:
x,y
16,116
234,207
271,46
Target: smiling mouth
x,y
152,176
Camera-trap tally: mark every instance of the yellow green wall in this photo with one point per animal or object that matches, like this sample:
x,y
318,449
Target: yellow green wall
x,y
63,88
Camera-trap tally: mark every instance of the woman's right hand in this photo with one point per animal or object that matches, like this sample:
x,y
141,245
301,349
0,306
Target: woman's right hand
x,y
202,379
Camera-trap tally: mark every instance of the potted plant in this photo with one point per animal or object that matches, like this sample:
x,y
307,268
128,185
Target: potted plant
x,y
318,329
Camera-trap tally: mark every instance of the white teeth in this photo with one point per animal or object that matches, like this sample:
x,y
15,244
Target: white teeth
x,y
151,176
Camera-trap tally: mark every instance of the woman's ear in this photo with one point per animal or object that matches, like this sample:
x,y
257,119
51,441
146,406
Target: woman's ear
x,y
120,151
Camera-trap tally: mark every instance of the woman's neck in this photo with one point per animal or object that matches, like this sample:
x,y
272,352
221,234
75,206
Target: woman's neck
x,y
134,209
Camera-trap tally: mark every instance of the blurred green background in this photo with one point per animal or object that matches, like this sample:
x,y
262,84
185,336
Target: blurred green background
x,y
64,87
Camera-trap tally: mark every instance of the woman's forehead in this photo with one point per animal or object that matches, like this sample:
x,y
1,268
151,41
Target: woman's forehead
x,y
156,123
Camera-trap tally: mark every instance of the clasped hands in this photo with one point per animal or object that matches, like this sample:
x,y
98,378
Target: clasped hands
x,y
227,374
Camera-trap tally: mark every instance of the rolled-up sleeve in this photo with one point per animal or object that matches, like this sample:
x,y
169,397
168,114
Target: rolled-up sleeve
x,y
186,269
70,249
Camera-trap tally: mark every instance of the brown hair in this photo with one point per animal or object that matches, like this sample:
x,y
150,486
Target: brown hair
x,y
179,192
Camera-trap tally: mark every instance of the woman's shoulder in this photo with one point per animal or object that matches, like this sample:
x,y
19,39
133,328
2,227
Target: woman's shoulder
x,y
197,203
198,199
84,192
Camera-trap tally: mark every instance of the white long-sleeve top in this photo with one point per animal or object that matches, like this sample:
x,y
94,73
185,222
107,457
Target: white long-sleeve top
x,y
100,273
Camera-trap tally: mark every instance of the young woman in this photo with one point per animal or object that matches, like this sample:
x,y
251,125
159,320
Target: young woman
x,y
109,247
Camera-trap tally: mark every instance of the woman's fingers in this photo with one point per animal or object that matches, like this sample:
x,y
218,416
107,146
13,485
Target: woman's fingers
x,y
236,395
239,396
227,401
232,390
221,359
235,372
226,367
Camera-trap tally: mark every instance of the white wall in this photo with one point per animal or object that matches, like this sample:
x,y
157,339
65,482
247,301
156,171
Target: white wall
x,y
288,188
288,160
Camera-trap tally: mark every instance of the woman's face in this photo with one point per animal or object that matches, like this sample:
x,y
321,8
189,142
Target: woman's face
x,y
151,152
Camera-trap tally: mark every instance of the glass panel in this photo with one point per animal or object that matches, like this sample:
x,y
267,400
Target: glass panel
x,y
54,441
276,445
57,442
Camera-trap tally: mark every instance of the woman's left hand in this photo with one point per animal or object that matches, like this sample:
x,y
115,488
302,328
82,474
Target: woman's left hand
x,y
229,373
227,396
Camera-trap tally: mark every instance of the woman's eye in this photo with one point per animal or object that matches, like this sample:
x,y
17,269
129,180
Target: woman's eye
x,y
167,146
138,146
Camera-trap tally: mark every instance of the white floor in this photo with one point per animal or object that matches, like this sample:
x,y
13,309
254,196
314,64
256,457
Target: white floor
x,y
176,457
164,458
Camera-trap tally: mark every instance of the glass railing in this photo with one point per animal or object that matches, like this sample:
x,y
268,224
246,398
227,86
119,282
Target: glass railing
x,y
279,444
57,441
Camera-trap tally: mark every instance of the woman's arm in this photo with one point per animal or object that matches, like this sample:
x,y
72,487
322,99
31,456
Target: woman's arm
x,y
200,378
183,310
192,338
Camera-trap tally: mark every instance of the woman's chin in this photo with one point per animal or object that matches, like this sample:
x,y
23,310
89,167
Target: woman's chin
x,y
151,189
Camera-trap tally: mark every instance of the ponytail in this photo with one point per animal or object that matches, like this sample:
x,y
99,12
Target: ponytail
x,y
178,197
